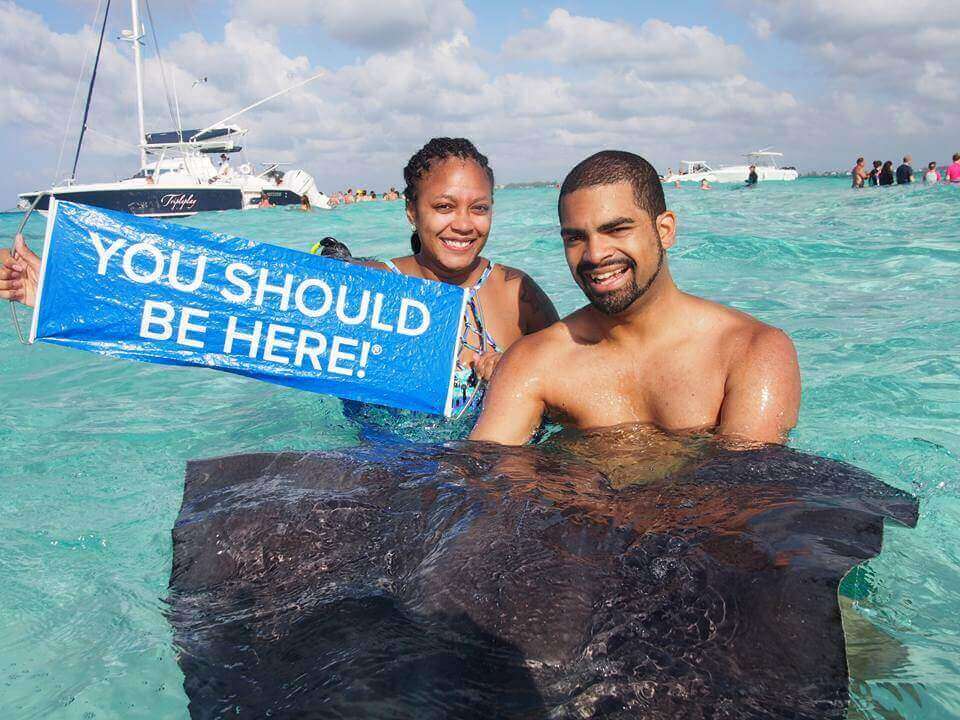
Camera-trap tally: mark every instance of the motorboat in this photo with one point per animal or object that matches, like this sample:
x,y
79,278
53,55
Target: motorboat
x,y
764,161
177,177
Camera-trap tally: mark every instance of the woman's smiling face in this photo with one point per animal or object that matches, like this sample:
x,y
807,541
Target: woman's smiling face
x,y
452,212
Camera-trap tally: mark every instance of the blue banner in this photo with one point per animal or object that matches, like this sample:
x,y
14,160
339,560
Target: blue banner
x,y
142,289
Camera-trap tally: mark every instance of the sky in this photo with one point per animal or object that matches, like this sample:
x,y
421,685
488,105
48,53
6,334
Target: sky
x,y
537,86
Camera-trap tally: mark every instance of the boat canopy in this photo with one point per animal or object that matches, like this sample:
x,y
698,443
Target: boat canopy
x,y
220,139
693,166
185,136
764,158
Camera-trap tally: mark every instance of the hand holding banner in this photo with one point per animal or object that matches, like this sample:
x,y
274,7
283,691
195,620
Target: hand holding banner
x,y
137,288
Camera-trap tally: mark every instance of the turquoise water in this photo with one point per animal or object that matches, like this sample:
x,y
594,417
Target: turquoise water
x,y
865,282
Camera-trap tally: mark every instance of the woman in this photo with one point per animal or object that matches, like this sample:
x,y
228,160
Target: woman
x,y
449,195
886,173
875,173
932,175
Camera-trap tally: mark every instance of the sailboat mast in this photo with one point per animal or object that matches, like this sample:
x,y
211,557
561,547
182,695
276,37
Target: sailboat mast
x,y
138,65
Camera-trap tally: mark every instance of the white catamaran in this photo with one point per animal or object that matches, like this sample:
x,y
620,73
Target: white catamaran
x,y
765,162
177,177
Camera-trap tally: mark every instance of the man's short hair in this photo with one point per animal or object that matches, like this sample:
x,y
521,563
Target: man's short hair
x,y
956,157
608,167
859,160
906,158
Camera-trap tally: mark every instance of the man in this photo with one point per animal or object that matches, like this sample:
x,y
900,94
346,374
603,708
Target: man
x,y
858,173
753,178
905,171
642,351
224,169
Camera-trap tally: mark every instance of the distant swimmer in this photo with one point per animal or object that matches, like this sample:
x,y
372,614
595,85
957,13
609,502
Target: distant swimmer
x,y
858,174
704,185
265,200
905,171
642,351
953,172
932,175
753,178
305,203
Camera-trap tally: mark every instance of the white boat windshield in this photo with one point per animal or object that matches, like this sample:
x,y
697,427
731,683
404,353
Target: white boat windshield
x,y
764,158
694,166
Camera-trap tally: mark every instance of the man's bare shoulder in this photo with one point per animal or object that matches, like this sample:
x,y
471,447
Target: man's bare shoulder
x,y
768,346
748,343
738,331
762,380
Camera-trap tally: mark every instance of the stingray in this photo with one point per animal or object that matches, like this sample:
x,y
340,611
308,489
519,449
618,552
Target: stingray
x,y
476,581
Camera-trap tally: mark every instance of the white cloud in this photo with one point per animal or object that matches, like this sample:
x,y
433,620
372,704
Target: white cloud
x,y
938,84
762,28
370,24
884,42
658,48
360,123
890,68
907,122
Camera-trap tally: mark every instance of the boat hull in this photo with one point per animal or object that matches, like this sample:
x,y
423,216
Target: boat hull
x,y
735,175
147,201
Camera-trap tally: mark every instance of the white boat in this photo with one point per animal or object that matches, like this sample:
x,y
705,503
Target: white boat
x,y
764,161
177,177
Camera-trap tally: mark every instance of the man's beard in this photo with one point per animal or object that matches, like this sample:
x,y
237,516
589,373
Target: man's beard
x,y
613,303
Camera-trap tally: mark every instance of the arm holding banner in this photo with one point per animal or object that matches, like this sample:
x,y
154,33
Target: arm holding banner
x,y
19,273
142,289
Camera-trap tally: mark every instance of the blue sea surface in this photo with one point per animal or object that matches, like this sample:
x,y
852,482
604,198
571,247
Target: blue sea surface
x,y
866,283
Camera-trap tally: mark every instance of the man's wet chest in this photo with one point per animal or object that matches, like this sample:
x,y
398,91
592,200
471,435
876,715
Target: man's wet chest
x,y
675,392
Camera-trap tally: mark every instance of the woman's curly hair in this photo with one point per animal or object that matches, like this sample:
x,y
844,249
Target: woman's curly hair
x,y
421,162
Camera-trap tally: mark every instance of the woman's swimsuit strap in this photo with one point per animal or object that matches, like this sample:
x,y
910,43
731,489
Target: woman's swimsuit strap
x,y
473,302
483,278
